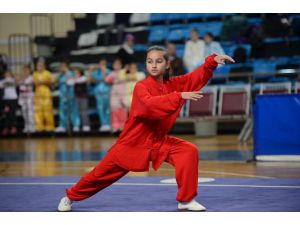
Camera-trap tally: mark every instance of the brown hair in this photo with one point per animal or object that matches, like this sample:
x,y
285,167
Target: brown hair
x,y
166,57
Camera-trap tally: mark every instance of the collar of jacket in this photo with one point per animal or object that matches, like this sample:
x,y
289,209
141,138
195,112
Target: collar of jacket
x,y
154,81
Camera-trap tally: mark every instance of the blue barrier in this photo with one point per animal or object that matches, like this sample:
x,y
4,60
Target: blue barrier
x,y
277,125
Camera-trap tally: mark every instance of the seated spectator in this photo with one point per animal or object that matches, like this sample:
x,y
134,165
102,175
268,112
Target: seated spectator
x,y
235,28
9,104
26,100
119,112
194,51
81,96
176,62
275,25
212,46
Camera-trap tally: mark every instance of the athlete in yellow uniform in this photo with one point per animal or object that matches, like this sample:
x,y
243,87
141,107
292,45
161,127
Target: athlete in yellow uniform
x,y
44,118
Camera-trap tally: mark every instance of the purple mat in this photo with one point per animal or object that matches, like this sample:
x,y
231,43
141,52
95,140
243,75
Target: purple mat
x,y
136,194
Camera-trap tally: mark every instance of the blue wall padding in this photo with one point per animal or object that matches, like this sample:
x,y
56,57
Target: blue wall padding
x,y
277,125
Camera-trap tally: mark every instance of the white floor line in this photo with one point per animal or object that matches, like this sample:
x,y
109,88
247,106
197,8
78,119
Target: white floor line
x,y
226,173
151,184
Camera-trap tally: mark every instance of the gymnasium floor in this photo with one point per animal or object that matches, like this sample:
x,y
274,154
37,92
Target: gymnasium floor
x,y
37,171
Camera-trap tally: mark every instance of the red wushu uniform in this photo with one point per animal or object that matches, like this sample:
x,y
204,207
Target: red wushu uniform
x,y
155,107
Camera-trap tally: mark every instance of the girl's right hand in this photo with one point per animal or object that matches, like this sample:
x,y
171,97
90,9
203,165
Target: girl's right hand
x,y
194,95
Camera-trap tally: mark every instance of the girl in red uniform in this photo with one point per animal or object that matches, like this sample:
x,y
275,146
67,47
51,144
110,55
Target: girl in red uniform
x,y
156,103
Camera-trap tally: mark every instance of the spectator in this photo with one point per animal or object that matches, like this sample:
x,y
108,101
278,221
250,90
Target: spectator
x,y
81,95
234,28
132,75
275,25
176,62
194,51
26,100
9,103
119,112
43,80
126,52
67,103
211,46
102,92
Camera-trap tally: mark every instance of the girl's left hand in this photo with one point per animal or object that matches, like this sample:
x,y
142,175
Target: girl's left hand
x,y
221,59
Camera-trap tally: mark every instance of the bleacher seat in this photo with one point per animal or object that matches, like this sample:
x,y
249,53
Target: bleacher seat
x,y
105,19
139,18
207,105
180,50
276,88
158,34
87,39
140,48
213,27
179,34
263,69
158,17
176,16
234,100
221,74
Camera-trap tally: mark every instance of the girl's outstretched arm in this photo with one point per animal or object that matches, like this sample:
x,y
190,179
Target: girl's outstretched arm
x,y
196,79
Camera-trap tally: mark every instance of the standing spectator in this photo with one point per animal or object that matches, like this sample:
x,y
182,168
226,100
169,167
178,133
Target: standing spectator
x,y
10,104
194,51
43,80
26,100
211,46
176,62
132,76
67,104
126,52
119,112
81,95
102,92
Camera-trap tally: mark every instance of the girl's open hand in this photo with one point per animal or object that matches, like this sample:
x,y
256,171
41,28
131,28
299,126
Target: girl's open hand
x,y
194,95
221,59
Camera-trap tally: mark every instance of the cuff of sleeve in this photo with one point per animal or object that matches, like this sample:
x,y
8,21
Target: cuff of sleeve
x,y
175,98
210,62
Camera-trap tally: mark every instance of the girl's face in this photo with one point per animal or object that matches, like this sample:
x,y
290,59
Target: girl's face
x,y
117,65
156,64
7,74
77,73
133,68
63,67
40,66
26,71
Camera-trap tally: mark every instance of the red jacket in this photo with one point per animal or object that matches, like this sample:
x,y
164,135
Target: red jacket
x,y
155,107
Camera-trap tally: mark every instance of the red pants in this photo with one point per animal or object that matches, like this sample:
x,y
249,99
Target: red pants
x,y
182,155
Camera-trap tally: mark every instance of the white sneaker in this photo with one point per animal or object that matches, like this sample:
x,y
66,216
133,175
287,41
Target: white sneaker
x,y
60,130
75,129
105,128
86,129
191,206
65,205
